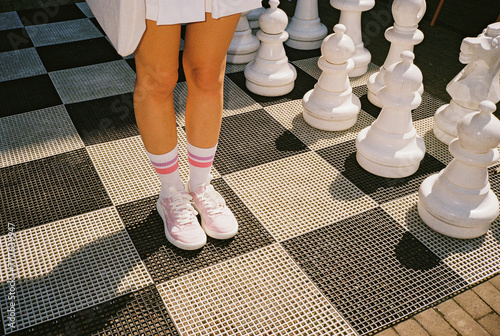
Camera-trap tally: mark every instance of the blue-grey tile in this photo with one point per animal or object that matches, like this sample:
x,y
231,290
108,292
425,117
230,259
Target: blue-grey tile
x,y
61,32
20,64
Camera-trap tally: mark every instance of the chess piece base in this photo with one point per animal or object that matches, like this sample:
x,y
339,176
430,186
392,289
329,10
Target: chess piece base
x,y
305,34
453,218
240,59
446,120
386,171
338,117
361,59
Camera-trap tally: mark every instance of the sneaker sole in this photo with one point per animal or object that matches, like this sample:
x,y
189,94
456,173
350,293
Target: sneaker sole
x,y
213,234
181,245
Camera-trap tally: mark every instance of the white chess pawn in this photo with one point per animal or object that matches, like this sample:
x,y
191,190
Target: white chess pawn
x,y
478,81
404,35
458,202
305,29
350,17
270,74
244,44
253,17
390,147
331,105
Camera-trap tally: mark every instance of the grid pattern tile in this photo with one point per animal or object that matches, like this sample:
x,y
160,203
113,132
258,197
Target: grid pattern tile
x,y
263,291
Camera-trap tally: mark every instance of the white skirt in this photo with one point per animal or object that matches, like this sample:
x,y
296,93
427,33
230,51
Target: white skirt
x,y
166,12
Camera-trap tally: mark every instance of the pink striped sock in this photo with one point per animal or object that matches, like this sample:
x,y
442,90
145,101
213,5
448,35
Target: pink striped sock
x,y
167,168
200,162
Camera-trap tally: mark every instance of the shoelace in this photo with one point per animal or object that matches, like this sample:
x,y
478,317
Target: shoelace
x,y
212,200
182,209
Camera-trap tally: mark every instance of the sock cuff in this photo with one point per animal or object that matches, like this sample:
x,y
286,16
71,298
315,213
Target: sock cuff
x,y
196,154
165,163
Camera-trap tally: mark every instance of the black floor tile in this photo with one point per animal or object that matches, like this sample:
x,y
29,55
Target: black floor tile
x,y
253,138
14,39
104,119
296,54
94,21
372,270
27,94
381,189
131,63
50,14
49,189
165,261
77,54
303,83
138,313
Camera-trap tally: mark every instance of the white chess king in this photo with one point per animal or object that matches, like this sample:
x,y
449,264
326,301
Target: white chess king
x,y
331,105
391,147
458,202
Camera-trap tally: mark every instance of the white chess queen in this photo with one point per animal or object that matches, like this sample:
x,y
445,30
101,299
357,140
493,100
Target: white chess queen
x,y
210,26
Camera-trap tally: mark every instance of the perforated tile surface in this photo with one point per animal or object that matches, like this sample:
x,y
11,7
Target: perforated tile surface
x,y
260,291
70,265
67,31
138,313
323,247
94,81
372,282
37,134
304,198
289,114
20,63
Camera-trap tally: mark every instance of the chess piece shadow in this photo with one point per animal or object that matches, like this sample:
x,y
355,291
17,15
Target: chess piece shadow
x,y
412,254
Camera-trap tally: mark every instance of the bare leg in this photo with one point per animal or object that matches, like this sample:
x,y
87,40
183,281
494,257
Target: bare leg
x,y
157,62
204,61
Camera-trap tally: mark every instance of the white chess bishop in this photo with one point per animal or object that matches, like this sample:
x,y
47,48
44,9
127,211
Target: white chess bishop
x,y
478,81
458,202
305,29
331,105
244,44
391,147
270,74
350,17
403,36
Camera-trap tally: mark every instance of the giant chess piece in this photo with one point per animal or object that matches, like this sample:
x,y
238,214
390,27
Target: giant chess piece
x,y
305,29
331,105
478,81
390,147
244,44
253,17
270,74
458,202
404,35
350,17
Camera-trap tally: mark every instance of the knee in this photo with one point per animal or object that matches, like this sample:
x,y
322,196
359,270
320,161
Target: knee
x,y
158,85
205,78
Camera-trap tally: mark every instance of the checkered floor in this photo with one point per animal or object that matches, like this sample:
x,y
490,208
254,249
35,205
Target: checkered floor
x,y
324,247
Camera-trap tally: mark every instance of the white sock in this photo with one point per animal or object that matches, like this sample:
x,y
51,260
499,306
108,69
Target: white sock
x,y
167,168
200,162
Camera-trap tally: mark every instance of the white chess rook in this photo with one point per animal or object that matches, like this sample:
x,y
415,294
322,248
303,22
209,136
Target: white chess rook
x,y
403,36
391,147
253,17
331,105
478,81
244,44
270,74
458,202
350,17
305,29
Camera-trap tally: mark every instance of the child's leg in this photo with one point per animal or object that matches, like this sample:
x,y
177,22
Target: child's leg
x,y
157,62
204,61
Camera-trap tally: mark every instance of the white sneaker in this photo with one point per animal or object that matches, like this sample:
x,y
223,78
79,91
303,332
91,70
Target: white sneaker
x,y
179,217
